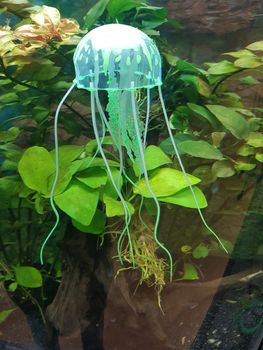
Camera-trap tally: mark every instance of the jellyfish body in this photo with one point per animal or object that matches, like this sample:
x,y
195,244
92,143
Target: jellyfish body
x,y
121,60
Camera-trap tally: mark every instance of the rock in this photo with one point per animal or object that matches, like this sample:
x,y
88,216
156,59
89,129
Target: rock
x,y
214,16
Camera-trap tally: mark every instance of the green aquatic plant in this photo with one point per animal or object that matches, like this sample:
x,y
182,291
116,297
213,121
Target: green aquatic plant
x,y
127,61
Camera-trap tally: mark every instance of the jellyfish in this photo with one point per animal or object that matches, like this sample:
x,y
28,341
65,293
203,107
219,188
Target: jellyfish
x,y
121,60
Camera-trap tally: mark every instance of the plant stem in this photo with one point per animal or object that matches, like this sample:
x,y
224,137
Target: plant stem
x,y
224,79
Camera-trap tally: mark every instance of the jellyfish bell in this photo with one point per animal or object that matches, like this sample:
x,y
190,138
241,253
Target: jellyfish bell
x,y
114,55
121,60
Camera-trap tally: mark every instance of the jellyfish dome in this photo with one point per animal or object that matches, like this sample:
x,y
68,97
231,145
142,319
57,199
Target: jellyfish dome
x,y
121,60
114,55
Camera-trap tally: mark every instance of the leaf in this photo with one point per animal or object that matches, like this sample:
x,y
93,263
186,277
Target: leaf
x,y
246,150
248,62
259,157
190,272
35,167
28,276
255,139
79,202
93,177
240,53
164,182
201,86
249,80
97,225
243,166
38,72
67,153
204,113
94,13
220,68
109,189
232,120
115,208
171,59
5,314
154,158
256,46
167,147
116,7
204,172
223,168
201,251
217,137
201,149
185,198
9,135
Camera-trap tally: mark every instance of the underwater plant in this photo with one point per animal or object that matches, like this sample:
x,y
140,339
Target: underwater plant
x,y
121,60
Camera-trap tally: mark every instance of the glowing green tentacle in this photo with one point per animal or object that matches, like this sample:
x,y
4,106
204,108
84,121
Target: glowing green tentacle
x,y
183,170
56,173
125,207
135,118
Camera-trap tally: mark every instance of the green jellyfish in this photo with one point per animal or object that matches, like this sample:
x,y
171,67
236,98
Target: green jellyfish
x,y
120,60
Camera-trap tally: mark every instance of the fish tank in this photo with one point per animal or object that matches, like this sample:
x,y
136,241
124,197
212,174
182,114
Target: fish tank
x,y
131,151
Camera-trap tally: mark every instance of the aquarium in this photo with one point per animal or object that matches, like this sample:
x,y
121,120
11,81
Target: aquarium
x,y
131,152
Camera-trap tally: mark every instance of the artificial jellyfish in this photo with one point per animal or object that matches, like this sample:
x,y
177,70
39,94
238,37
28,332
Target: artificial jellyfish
x,y
121,60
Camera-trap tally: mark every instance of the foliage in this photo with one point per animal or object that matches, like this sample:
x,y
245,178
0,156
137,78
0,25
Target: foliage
x,y
217,134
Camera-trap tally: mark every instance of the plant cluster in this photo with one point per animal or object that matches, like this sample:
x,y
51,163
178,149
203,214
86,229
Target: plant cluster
x,y
217,134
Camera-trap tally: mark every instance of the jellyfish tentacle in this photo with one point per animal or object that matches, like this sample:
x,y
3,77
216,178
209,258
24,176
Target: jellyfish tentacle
x,y
147,117
184,172
125,207
122,170
51,200
106,123
141,150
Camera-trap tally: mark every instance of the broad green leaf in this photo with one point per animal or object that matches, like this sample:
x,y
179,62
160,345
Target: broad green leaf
x,y
109,189
243,166
204,172
171,59
116,7
93,177
89,162
201,149
259,157
35,167
79,202
164,182
115,207
255,139
240,53
220,68
246,150
9,135
201,86
217,137
167,147
65,174
190,272
67,153
8,97
223,168
249,80
257,46
28,276
5,313
154,158
233,121
92,145
185,198
94,13
201,251
97,225
39,113
38,72
248,62
204,113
